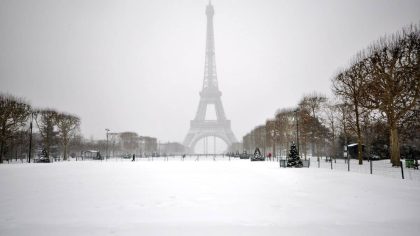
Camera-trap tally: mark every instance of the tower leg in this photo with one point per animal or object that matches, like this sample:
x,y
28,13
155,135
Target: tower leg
x,y
205,146
214,145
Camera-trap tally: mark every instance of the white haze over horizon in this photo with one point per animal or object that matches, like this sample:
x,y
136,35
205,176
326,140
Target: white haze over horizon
x,y
138,65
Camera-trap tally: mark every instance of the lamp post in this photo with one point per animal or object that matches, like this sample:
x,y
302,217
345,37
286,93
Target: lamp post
x,y
276,139
30,138
274,142
264,136
106,152
274,132
297,129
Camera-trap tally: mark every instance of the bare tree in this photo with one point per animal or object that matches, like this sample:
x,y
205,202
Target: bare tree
x,y
67,126
259,134
331,111
312,103
409,128
14,113
46,121
349,86
286,127
394,80
307,131
271,132
343,109
246,140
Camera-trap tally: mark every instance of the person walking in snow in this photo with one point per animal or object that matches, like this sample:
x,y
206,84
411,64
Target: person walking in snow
x,y
134,157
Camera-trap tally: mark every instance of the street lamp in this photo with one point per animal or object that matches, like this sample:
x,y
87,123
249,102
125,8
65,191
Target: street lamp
x,y
274,132
106,152
30,138
297,129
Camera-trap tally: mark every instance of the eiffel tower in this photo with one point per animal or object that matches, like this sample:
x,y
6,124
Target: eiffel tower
x,y
210,94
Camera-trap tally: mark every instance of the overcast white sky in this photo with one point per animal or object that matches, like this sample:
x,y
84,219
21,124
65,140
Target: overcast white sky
x,y
138,65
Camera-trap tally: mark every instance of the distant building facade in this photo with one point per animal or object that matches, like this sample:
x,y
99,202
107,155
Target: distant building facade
x,y
172,148
126,143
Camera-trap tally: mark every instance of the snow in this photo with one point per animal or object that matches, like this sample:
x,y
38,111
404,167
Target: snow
x,y
203,197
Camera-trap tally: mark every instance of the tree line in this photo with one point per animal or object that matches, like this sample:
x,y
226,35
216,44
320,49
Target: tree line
x,y
17,118
376,104
26,132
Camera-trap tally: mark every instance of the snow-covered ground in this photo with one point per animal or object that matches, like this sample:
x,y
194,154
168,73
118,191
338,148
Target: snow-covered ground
x,y
203,197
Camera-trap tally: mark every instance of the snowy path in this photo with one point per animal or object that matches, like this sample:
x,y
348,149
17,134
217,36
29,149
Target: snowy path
x,y
202,198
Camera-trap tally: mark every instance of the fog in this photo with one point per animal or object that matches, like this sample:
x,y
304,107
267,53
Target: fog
x,y
138,65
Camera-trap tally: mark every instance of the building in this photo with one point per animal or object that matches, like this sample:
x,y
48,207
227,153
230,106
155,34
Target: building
x,y
172,148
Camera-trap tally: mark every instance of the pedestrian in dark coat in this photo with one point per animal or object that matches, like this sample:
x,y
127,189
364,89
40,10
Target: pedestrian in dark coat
x,y
134,157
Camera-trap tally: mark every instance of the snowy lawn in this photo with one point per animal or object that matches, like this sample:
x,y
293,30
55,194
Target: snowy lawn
x,y
202,198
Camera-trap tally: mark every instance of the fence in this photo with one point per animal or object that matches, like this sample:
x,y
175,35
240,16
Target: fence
x,y
305,163
375,167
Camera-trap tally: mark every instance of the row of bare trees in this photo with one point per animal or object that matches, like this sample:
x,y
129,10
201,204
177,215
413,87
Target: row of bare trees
x,y
377,94
52,124
25,130
131,142
16,115
304,124
384,81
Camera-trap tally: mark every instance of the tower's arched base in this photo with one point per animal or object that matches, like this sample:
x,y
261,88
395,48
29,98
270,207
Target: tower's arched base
x,y
201,129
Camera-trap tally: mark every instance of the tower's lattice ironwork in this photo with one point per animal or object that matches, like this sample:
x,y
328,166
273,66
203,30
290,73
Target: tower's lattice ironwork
x,y
210,94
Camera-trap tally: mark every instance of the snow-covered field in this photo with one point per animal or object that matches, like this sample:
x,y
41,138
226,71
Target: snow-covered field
x,y
235,197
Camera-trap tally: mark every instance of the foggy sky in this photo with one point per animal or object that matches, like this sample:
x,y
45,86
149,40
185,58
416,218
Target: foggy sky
x,y
139,65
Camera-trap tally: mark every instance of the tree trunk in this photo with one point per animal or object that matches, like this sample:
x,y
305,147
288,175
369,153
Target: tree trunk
x,y
48,145
394,145
359,136
279,150
2,142
1,151
274,150
313,146
65,152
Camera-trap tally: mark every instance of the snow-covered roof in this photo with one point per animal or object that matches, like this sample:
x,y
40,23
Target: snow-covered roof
x,y
93,151
353,144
